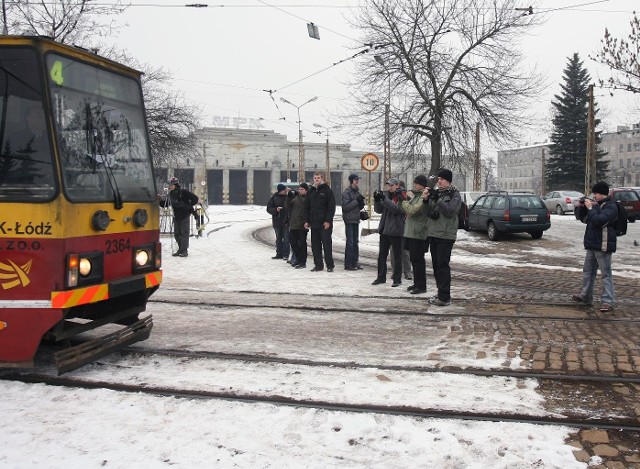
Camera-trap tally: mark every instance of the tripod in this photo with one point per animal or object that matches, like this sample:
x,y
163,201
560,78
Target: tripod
x,y
166,217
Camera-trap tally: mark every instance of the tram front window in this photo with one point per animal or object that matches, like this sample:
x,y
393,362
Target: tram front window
x,y
101,132
26,161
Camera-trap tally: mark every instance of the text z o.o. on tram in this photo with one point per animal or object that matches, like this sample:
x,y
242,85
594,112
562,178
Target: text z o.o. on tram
x,y
79,238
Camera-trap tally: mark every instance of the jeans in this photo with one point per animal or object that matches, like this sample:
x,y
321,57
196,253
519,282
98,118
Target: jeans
x,y
181,231
282,241
321,242
351,252
592,261
440,257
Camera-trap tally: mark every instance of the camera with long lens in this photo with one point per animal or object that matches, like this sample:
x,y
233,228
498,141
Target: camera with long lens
x,y
378,195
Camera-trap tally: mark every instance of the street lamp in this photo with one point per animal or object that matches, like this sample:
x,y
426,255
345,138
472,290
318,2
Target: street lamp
x,y
386,165
327,162
300,146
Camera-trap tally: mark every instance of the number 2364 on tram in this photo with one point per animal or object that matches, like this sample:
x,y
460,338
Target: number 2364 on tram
x,y
79,238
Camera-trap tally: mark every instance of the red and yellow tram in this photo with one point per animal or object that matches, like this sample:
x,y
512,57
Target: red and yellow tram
x,y
79,234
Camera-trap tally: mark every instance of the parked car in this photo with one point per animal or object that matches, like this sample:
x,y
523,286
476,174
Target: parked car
x,y
470,197
630,199
562,201
505,212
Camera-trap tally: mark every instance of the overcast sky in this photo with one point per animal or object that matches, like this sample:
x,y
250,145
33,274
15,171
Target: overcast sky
x,y
225,55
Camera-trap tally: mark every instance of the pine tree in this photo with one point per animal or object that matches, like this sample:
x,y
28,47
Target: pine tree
x,y
566,165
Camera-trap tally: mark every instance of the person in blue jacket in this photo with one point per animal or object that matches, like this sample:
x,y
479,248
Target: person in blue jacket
x,y
599,214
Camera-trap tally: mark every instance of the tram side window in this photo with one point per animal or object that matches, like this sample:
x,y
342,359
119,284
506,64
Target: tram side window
x,y
26,160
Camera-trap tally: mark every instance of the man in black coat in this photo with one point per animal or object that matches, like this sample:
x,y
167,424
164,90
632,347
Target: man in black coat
x,y
280,221
319,210
182,202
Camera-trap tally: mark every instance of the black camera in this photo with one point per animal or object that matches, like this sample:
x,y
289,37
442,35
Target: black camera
x,y
434,215
292,194
378,195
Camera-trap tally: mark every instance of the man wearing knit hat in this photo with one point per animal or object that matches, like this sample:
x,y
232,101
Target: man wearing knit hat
x,y
443,204
600,242
415,234
280,221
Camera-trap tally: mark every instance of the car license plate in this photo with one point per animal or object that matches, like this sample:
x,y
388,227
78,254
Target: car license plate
x,y
529,218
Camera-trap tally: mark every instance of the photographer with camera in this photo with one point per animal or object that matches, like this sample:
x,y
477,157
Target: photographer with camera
x,y
600,240
390,228
352,202
182,202
415,234
443,203
297,232
280,221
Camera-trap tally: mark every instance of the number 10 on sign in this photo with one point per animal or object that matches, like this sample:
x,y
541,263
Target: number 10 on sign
x,y
370,162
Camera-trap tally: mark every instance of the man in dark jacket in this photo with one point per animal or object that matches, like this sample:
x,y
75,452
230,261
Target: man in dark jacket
x,y
319,210
280,221
182,202
297,232
600,242
391,229
352,202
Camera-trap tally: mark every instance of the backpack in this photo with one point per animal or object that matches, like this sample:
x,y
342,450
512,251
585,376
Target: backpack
x,y
620,225
463,217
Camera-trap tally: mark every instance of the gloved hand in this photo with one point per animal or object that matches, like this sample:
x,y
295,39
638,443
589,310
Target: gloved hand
x,y
360,198
292,194
434,215
378,196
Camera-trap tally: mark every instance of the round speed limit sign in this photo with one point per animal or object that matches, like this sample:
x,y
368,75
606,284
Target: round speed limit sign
x,y
370,162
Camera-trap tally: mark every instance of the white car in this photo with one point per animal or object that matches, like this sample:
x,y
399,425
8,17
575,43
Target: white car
x,y
561,202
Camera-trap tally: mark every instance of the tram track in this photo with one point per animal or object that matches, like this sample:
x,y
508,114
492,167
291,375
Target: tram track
x,y
554,417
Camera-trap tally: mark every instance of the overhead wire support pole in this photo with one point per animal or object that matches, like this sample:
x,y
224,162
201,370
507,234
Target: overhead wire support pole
x,y
300,143
476,161
590,159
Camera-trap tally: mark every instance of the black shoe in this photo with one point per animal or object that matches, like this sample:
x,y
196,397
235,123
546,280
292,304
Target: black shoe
x,y
301,266
184,254
176,254
408,276
329,269
411,287
359,267
276,257
417,291
350,268
293,265
317,269
378,282
396,284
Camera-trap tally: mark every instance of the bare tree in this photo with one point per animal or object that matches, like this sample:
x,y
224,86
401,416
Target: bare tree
x,y
622,56
447,65
66,21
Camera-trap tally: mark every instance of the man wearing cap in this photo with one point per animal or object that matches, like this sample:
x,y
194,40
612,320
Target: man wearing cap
x,y
600,242
182,202
320,208
352,202
390,228
280,221
415,234
443,204
297,232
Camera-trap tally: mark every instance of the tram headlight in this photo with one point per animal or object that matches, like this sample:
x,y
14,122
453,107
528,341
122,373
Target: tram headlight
x,y
142,257
85,267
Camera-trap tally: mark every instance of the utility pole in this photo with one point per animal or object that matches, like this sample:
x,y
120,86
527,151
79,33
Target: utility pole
x,y
205,189
543,175
476,161
590,163
327,161
386,163
300,144
288,167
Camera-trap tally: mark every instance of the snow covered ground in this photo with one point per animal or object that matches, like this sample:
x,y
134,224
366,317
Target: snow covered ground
x,y
54,427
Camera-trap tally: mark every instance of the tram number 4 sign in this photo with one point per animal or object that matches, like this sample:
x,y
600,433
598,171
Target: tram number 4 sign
x,y
370,162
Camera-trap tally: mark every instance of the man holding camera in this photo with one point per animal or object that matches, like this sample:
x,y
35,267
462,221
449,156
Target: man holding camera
x,y
415,234
352,202
297,232
391,229
280,221
600,241
443,204
182,202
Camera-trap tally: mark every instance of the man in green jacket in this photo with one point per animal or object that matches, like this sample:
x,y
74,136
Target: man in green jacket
x,y
415,234
443,203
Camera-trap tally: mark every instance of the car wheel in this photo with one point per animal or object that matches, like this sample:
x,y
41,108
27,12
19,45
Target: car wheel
x,y
559,210
536,234
492,232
